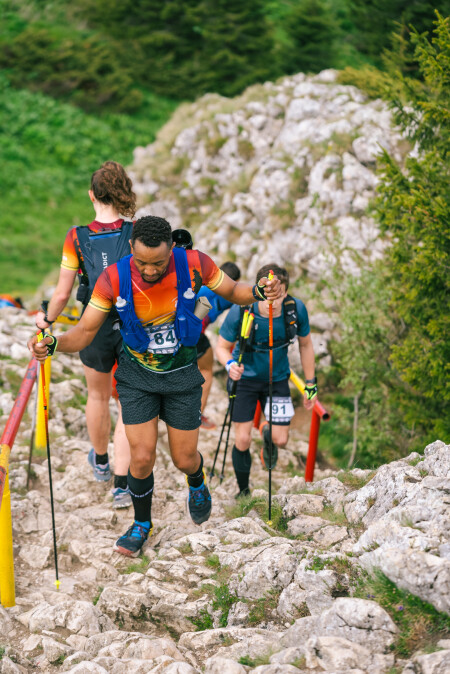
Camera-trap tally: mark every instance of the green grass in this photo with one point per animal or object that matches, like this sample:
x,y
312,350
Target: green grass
x,y
213,561
223,601
254,662
97,596
2,651
243,506
420,624
48,151
353,481
203,621
262,608
138,567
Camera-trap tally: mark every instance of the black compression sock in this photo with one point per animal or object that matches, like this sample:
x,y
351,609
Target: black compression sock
x,y
101,459
242,462
196,479
120,481
141,494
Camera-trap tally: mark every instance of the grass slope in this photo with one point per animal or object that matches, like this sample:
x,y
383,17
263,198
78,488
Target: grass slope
x,y
48,151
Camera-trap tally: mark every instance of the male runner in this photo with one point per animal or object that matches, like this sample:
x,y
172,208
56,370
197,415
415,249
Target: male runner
x,y
160,379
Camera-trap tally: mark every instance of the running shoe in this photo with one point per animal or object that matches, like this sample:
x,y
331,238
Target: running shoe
x,y
265,459
101,471
198,502
206,423
131,543
121,498
243,493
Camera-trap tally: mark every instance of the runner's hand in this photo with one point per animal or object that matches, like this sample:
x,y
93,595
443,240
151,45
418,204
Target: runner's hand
x,y
308,404
40,321
235,372
39,349
272,288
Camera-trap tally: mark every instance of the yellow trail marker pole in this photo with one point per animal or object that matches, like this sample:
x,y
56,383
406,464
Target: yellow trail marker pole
x,y
40,441
7,589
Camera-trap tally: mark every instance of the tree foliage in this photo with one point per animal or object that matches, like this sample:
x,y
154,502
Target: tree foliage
x,y
377,20
414,205
394,354
313,32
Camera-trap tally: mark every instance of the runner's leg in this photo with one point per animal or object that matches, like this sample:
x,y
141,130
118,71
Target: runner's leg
x,y
121,447
241,457
186,457
205,365
183,450
98,418
280,435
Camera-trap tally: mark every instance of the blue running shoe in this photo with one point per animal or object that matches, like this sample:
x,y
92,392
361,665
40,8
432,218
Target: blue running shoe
x,y
121,498
198,502
101,471
131,543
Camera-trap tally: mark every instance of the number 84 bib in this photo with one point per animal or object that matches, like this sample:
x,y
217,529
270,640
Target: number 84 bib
x,y
162,338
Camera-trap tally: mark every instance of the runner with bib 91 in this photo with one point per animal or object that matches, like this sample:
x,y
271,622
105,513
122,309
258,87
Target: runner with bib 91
x,y
290,320
154,291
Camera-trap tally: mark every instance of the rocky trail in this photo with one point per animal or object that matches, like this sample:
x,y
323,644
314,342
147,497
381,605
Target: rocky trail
x,y
235,594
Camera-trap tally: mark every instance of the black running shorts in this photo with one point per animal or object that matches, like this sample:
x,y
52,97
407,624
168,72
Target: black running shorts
x,y
175,397
250,391
203,345
104,350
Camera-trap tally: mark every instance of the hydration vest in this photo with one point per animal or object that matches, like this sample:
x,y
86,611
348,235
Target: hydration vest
x,y
187,326
290,325
98,251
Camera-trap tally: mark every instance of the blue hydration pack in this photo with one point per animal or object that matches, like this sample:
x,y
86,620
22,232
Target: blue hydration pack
x,y
187,326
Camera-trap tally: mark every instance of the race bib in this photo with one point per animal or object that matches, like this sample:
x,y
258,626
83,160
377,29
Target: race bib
x,y
282,410
162,338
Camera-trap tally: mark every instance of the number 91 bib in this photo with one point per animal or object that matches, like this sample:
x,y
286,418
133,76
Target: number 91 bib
x,y
282,409
162,338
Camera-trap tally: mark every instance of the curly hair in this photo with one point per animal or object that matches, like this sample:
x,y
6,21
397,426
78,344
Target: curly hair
x,y
280,272
152,231
111,185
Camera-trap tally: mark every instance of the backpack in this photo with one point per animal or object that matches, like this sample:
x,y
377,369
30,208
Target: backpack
x,y
187,326
96,251
290,325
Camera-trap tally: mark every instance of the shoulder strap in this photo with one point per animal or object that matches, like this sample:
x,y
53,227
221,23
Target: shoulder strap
x,y
123,268
184,282
290,318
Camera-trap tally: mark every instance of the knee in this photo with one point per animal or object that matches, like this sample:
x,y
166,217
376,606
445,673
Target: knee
x,y
186,463
281,438
243,441
96,396
141,462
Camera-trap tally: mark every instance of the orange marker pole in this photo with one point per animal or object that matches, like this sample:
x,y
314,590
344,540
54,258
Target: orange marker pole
x,y
270,400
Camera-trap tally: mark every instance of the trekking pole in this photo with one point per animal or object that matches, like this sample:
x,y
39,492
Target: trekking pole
x,y
269,522
231,394
41,335
211,472
246,329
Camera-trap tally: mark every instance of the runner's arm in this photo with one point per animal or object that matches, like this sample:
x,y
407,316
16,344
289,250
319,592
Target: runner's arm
x,y
223,352
59,298
241,293
76,338
308,364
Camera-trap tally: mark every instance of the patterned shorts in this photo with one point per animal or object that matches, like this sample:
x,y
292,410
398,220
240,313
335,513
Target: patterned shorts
x,y
175,397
